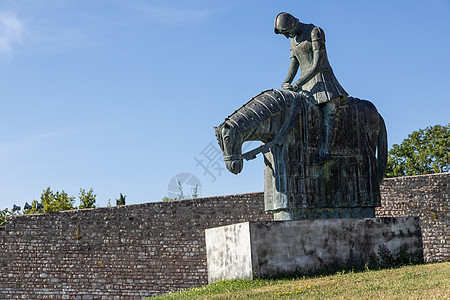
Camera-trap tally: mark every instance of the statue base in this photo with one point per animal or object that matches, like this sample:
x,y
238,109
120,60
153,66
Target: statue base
x,y
247,249
323,213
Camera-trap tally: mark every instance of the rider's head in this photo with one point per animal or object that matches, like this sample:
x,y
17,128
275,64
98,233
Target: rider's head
x,y
285,24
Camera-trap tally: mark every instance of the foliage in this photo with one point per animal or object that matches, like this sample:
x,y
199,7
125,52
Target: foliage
x,y
426,281
3,214
195,192
59,201
180,189
52,202
181,195
121,200
425,151
87,199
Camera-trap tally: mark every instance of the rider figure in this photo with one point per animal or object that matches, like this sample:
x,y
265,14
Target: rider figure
x,y
316,76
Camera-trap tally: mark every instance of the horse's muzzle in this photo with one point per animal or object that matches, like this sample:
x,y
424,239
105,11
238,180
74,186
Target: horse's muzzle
x,y
235,166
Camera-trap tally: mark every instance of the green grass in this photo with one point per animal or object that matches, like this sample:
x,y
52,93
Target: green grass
x,y
427,281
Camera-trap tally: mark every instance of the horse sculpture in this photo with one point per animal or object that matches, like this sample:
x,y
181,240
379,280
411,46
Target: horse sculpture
x,y
289,126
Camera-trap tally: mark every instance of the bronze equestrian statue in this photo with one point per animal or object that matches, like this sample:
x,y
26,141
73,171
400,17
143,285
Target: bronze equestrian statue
x,y
325,153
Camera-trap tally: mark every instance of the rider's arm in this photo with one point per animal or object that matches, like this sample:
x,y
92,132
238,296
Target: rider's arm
x,y
293,68
318,43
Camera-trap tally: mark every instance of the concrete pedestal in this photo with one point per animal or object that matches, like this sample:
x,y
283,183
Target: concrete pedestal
x,y
270,248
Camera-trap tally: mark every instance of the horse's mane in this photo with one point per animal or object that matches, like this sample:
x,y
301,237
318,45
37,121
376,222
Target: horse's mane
x,y
259,109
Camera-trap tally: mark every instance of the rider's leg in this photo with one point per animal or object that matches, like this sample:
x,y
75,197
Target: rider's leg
x,y
329,111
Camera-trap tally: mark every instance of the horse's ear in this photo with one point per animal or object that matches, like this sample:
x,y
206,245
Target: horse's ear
x,y
215,128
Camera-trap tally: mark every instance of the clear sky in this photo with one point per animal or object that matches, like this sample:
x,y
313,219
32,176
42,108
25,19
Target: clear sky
x,y
121,95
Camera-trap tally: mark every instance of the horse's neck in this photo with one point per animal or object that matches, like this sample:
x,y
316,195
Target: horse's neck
x,y
268,112
267,129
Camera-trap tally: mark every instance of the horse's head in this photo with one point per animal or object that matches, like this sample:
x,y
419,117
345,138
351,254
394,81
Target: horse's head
x,y
230,141
253,122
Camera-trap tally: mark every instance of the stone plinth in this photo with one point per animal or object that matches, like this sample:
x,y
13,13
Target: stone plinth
x,y
269,248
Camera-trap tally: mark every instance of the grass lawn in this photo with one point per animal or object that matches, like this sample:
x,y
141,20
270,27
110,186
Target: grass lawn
x,y
427,281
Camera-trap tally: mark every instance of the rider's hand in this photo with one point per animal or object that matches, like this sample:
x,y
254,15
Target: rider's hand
x,y
295,88
305,94
287,86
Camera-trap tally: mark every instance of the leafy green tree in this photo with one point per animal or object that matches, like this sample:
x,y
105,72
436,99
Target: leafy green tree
x,y
56,202
3,214
121,200
87,199
425,151
52,202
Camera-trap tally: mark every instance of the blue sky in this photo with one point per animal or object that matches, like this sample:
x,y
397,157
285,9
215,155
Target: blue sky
x,y
121,95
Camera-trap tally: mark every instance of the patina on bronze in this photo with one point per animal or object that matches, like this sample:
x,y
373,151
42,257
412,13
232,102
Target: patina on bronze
x,y
324,152
308,53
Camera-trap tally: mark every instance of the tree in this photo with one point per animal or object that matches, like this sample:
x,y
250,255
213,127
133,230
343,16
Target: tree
x,y
56,202
50,202
87,200
180,196
425,151
121,200
195,192
180,189
53,202
3,214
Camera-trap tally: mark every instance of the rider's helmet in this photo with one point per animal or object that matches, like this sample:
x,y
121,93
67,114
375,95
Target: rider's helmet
x,y
285,22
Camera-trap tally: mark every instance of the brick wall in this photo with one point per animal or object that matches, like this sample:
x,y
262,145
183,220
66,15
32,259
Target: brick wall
x,y
125,252
133,251
426,196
